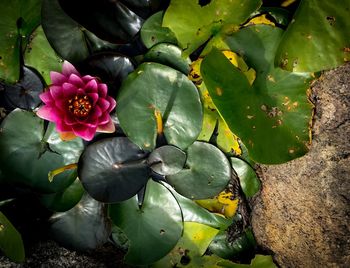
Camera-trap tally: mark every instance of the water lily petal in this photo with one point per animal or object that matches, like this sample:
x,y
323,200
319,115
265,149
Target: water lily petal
x,y
46,97
96,112
93,97
57,78
104,118
61,126
87,133
112,102
62,105
76,80
103,104
91,86
49,112
68,69
87,78
109,127
69,90
56,92
91,122
102,90
69,119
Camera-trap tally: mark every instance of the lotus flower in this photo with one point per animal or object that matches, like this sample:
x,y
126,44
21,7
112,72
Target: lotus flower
x,y
79,105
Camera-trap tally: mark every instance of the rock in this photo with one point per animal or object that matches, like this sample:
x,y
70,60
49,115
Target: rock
x,y
302,214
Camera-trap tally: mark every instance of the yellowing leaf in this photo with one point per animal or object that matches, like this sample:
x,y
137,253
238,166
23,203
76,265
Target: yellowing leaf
x,y
224,204
261,19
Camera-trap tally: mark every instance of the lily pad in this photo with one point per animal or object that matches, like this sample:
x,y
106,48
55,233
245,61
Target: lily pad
x,y
169,55
40,55
113,169
18,19
248,179
84,227
271,117
167,160
317,38
194,24
154,228
11,243
152,31
28,154
157,99
25,93
207,172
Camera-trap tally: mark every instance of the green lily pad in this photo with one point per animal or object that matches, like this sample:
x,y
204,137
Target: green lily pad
x,y
28,154
169,55
192,212
40,55
154,228
113,169
153,33
11,243
68,38
194,242
194,24
317,38
272,117
167,160
25,93
157,99
65,200
18,19
248,179
84,227
207,172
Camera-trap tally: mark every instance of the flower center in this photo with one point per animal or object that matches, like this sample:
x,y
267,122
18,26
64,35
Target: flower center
x,y
80,106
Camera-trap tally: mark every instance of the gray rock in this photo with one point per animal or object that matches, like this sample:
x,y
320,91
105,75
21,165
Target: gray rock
x,y
302,214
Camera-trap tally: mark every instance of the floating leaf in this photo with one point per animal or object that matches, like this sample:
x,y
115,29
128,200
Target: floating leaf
x,y
65,200
224,203
154,89
84,227
25,93
194,24
154,228
248,179
271,117
317,38
153,33
167,160
18,19
113,169
11,243
169,55
28,153
40,55
194,242
206,173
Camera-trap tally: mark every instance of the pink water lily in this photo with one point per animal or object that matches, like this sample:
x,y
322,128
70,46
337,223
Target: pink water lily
x,y
79,105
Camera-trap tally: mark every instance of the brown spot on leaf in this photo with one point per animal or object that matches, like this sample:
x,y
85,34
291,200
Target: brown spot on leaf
x,y
331,20
218,91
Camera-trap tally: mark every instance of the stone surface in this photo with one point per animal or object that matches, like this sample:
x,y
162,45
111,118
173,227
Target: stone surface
x,y
302,214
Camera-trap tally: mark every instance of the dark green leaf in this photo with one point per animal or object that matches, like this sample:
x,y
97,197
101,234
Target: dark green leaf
x,y
317,38
248,179
11,243
154,228
40,55
112,68
83,227
25,93
167,160
272,117
193,24
153,33
154,89
207,172
18,19
65,200
169,55
27,156
113,169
